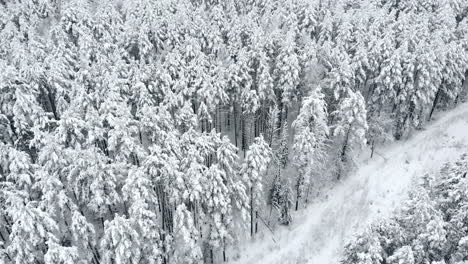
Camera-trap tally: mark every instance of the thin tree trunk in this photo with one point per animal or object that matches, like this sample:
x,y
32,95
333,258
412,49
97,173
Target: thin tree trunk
x,y
163,238
110,209
286,113
307,194
343,151
269,216
280,118
256,222
7,224
2,237
235,125
165,226
434,104
6,254
297,198
345,146
251,213
243,134
96,255
224,254
51,100
125,209
218,119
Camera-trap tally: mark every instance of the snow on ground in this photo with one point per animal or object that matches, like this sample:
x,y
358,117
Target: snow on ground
x,y
378,186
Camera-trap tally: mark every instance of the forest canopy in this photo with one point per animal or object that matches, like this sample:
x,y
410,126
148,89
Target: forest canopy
x,y
145,131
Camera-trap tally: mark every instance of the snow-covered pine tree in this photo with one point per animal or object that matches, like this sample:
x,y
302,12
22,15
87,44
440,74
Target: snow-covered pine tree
x,y
286,76
140,194
310,135
280,198
365,249
255,164
120,242
282,148
402,255
350,129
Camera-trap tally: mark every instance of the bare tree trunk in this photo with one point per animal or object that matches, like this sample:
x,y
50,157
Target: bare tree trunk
x,y
224,254
50,99
434,104
372,148
298,196
343,151
6,254
256,222
227,120
2,237
218,119
96,255
243,134
280,118
235,125
345,146
251,213
307,194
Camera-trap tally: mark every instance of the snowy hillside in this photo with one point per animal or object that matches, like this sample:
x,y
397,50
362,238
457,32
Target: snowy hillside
x,y
373,191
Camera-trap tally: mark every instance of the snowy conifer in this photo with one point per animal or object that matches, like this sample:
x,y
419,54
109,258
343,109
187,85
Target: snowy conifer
x,y
257,158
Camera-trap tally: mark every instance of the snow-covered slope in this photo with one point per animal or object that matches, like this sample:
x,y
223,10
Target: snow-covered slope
x,y
377,187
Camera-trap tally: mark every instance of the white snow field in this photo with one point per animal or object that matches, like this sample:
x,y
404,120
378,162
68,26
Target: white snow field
x,y
379,185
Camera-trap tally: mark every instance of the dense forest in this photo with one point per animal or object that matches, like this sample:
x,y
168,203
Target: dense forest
x,y
167,131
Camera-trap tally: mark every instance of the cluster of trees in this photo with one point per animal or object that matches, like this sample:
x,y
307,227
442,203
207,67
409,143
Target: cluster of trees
x,y
431,227
149,131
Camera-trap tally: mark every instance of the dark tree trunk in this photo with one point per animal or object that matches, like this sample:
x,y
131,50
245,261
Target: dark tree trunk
x,y
251,213
6,254
298,192
96,256
297,202
2,237
256,222
46,91
345,146
243,134
280,118
224,254
235,125
307,194
434,104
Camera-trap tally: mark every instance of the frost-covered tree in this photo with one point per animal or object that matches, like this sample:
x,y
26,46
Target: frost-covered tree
x,y
120,242
311,132
286,75
402,255
350,128
282,148
280,198
257,158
